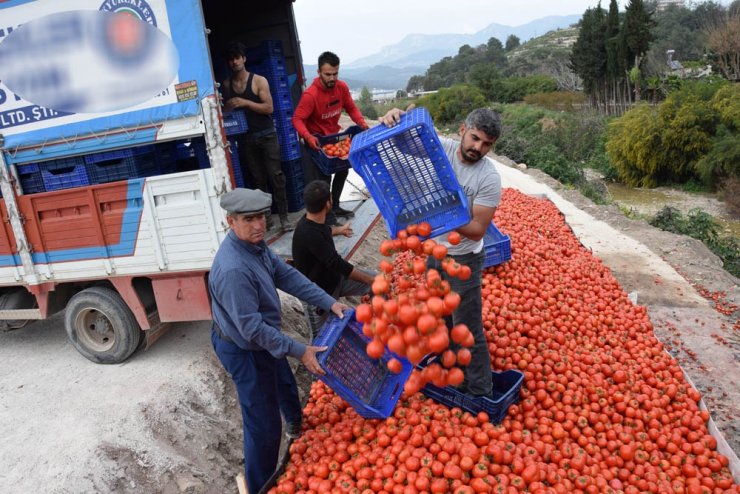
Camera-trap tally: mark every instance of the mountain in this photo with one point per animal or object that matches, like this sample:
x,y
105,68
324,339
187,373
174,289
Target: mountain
x,y
422,50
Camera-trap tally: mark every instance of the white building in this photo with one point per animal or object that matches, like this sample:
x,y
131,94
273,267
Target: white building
x,y
664,4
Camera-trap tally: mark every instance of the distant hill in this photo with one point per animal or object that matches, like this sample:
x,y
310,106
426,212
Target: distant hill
x,y
393,65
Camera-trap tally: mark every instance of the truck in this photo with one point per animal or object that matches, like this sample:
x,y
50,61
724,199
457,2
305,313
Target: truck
x,y
122,256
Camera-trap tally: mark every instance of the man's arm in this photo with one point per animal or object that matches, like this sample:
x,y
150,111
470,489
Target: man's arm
x,y
360,275
302,113
263,93
476,229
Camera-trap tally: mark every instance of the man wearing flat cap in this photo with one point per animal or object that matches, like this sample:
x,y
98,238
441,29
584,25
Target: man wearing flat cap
x,y
246,334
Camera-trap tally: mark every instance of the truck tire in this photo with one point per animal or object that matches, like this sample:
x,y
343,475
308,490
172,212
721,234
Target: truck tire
x,y
101,327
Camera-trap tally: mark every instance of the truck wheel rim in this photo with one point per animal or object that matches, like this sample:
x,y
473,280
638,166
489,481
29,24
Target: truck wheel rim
x,y
95,330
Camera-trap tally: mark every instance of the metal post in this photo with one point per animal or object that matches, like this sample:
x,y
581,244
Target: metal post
x,y
24,250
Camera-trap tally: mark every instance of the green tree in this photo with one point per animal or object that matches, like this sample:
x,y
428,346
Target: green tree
x,y
512,42
588,58
484,76
365,104
637,34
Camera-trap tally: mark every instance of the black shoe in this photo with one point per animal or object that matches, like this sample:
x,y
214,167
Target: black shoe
x,y
293,430
343,212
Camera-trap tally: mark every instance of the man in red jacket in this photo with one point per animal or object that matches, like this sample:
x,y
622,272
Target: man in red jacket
x,y
318,113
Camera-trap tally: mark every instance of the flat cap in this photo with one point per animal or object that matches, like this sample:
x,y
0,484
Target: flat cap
x,y
246,201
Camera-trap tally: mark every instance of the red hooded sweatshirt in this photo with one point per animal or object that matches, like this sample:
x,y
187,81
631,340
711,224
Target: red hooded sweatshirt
x,y
319,110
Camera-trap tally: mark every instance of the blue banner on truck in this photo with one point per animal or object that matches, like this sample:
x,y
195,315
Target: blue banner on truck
x,y
76,79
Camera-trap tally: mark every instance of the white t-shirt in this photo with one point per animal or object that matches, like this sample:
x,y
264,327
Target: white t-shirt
x,y
480,182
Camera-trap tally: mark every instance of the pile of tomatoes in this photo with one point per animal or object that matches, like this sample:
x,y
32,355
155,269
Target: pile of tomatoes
x,y
339,149
603,407
410,302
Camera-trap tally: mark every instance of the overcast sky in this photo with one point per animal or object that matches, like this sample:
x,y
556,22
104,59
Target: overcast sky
x,y
356,29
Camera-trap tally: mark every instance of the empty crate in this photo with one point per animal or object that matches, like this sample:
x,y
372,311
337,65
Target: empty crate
x,y
366,384
409,176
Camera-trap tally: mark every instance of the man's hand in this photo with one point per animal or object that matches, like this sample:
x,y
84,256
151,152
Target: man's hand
x,y
234,103
311,362
338,308
345,230
394,115
364,126
312,142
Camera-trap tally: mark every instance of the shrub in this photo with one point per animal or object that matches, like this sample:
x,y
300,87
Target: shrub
x,y
557,100
453,104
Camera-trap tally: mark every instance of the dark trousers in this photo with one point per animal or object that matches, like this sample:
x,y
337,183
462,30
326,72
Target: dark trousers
x,y
264,385
470,313
260,157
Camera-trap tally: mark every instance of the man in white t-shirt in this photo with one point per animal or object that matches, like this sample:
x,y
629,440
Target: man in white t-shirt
x,y
482,186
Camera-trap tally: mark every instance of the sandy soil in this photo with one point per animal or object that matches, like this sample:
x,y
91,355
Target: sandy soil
x,y
166,421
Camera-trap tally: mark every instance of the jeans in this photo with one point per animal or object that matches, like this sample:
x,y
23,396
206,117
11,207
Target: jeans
x,y
470,312
261,158
346,288
264,384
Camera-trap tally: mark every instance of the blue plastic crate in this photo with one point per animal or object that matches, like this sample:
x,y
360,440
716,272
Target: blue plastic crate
x,y
124,164
330,164
64,173
497,247
366,384
295,202
409,176
235,122
267,48
236,166
290,150
506,386
282,118
294,179
30,178
281,100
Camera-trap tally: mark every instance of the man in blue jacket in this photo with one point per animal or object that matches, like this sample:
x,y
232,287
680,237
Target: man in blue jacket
x,y
246,334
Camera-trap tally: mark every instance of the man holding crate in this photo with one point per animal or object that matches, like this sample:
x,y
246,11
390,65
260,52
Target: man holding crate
x,y
246,334
318,113
259,150
481,184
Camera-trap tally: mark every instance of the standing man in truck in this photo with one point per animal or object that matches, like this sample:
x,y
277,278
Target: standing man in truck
x,y
246,332
318,113
259,150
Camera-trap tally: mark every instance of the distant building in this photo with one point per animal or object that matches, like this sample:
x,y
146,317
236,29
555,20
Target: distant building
x,y
664,4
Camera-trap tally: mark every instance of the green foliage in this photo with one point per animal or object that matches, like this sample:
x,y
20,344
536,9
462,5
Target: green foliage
x,y
589,57
453,104
550,160
703,227
693,134
514,89
512,42
365,104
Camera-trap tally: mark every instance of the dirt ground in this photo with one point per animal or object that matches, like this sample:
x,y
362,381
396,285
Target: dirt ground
x,y
166,421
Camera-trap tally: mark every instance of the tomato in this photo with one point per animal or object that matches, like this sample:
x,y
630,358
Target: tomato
x,y
454,238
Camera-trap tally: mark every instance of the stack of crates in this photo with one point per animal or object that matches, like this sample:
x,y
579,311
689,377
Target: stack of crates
x,y
267,60
97,168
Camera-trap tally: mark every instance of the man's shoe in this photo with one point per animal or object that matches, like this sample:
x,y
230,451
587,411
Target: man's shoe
x,y
343,212
293,430
286,225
